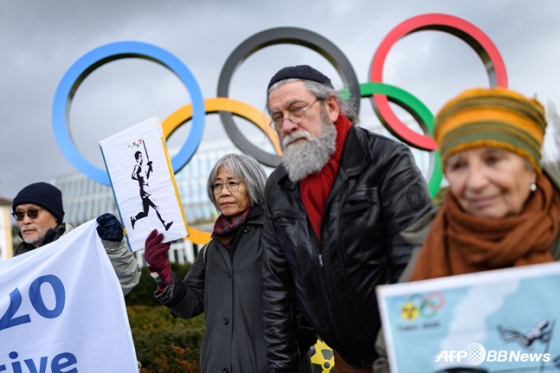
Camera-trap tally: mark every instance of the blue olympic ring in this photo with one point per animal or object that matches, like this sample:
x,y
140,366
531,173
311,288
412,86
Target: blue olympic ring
x,y
97,58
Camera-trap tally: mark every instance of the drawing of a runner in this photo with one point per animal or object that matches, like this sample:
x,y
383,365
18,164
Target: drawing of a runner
x,y
147,200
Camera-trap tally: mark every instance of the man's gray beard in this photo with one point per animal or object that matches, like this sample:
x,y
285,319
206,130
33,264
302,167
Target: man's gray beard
x,y
33,241
311,155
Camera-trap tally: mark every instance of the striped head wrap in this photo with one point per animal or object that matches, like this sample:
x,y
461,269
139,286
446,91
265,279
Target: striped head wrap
x,y
494,117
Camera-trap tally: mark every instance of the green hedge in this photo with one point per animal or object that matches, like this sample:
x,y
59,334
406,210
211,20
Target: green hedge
x,y
163,343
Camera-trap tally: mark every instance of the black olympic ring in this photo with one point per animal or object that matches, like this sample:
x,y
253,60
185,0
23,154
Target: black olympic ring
x,y
281,35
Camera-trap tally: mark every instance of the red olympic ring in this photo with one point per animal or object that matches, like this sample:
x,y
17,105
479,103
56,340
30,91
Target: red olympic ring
x,y
439,301
467,32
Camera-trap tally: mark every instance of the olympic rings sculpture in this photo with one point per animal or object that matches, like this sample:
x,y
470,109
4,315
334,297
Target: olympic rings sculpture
x,y
380,93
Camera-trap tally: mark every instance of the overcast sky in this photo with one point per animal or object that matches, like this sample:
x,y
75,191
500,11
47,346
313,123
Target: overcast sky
x,y
40,40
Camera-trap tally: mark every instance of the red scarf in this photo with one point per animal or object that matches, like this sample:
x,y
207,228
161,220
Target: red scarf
x,y
315,188
225,230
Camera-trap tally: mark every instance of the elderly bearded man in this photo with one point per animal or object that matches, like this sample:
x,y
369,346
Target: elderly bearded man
x,y
334,211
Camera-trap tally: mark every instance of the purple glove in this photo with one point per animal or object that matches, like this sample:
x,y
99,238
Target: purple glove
x,y
155,253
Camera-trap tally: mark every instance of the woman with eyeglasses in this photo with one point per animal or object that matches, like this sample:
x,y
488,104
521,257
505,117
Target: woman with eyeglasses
x,y
502,208
225,281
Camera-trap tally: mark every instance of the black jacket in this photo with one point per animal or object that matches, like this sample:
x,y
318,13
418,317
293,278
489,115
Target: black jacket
x,y
377,193
227,287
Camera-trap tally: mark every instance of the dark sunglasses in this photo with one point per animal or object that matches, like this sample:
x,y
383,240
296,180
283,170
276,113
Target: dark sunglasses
x,y
31,213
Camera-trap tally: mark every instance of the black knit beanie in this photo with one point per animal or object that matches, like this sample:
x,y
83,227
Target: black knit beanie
x,y
304,72
42,194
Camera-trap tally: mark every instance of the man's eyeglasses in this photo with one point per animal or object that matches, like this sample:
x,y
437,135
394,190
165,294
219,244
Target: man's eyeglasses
x,y
296,115
31,214
231,185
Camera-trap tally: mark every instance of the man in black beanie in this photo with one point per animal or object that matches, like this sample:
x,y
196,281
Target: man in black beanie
x,y
334,211
39,212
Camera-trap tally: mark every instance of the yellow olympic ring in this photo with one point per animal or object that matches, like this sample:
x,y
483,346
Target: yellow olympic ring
x,y
213,105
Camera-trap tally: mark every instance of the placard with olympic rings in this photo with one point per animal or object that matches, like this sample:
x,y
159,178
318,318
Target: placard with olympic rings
x,y
476,322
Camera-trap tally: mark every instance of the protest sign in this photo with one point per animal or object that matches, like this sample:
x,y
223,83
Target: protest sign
x,y
144,183
62,310
496,321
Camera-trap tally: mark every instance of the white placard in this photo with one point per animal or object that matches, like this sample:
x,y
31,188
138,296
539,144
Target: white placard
x,y
496,321
144,183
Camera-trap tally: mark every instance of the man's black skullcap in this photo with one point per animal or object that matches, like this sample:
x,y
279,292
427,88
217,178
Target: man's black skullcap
x,y
304,72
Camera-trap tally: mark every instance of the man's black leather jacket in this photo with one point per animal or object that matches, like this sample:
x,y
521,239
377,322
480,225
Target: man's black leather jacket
x,y
378,192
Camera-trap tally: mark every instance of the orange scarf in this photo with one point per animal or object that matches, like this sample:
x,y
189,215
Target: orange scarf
x,y
460,243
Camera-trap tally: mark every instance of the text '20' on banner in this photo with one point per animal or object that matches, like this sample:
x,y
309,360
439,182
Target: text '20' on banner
x,y
62,310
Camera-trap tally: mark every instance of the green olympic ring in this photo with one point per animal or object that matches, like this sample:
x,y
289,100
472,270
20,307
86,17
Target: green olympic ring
x,y
419,111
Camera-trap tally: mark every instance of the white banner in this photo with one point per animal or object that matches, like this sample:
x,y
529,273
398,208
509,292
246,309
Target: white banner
x,y
62,310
